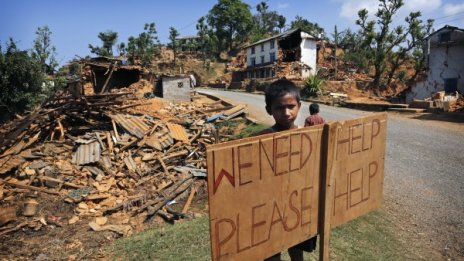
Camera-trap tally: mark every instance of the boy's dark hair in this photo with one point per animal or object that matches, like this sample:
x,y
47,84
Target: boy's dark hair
x,y
313,108
280,88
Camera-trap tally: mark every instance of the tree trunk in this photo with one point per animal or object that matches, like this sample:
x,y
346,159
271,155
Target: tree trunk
x,y
377,76
392,72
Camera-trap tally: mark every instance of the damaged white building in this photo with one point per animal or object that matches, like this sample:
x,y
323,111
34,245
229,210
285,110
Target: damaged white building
x,y
291,53
445,64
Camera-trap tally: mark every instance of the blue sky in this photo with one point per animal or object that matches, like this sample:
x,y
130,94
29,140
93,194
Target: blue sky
x,y
75,24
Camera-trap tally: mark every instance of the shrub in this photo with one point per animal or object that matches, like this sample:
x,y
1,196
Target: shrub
x,y
402,75
312,86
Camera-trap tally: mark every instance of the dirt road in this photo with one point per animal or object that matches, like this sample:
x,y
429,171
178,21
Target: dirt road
x,y
424,173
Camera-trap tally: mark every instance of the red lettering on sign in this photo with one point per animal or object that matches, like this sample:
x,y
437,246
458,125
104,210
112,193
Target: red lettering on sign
x,y
221,242
280,154
377,123
243,165
269,161
294,209
254,225
238,237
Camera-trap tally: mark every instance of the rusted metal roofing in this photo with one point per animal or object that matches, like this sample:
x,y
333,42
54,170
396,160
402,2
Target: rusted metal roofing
x,y
87,153
178,132
133,125
106,161
160,141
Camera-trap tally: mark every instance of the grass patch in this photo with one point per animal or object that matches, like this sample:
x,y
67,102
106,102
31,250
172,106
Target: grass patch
x,y
371,237
182,241
238,128
250,129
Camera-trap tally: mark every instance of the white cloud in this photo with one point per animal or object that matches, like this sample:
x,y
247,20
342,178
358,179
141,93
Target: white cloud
x,y
424,6
349,8
282,5
451,9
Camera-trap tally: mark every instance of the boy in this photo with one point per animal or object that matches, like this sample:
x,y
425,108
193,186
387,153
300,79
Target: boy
x,y
314,118
283,103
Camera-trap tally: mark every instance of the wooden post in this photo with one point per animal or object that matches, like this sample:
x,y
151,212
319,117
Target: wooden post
x,y
108,79
327,189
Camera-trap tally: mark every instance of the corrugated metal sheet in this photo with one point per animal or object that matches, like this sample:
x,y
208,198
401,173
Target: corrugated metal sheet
x,y
87,153
133,125
160,141
178,132
106,161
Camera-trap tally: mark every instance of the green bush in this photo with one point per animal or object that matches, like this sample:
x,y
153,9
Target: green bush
x,y
402,76
312,86
22,82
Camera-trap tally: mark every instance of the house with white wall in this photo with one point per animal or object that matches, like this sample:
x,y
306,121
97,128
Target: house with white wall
x,y
444,51
292,54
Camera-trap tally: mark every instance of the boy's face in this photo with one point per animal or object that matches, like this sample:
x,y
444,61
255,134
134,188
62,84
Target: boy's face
x,y
284,110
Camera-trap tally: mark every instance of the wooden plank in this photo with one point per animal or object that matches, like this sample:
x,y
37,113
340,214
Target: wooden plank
x,y
263,193
110,142
189,200
107,79
23,186
327,179
115,130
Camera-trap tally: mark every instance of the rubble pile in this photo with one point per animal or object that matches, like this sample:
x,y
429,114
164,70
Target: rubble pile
x,y
105,155
448,102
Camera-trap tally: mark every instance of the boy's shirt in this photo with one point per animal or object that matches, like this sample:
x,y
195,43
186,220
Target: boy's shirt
x,y
267,131
314,119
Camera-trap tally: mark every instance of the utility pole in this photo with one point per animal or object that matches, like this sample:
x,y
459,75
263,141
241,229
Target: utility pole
x,y
335,51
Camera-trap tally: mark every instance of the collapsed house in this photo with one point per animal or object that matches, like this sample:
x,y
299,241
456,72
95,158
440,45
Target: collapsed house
x,y
292,54
445,69
101,74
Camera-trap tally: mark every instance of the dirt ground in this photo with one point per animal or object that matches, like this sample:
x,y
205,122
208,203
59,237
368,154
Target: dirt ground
x,y
59,240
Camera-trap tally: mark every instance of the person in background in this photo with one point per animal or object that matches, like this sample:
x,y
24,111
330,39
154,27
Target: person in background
x,y
314,118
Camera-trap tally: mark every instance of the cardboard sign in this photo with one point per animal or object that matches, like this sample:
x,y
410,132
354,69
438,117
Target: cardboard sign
x,y
359,155
264,193
353,166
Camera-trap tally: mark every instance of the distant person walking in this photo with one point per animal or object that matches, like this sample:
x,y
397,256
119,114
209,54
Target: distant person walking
x,y
314,118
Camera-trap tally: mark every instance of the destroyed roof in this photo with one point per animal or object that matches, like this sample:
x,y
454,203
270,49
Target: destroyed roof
x,y
279,36
449,27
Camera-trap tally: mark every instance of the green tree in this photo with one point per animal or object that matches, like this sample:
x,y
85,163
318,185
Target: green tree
x,y
230,21
266,22
384,39
44,52
357,52
121,49
206,38
173,34
281,20
109,39
145,46
20,82
307,26
416,32
261,17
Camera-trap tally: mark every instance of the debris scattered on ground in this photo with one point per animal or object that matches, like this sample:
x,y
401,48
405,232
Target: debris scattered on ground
x,y
108,157
448,102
